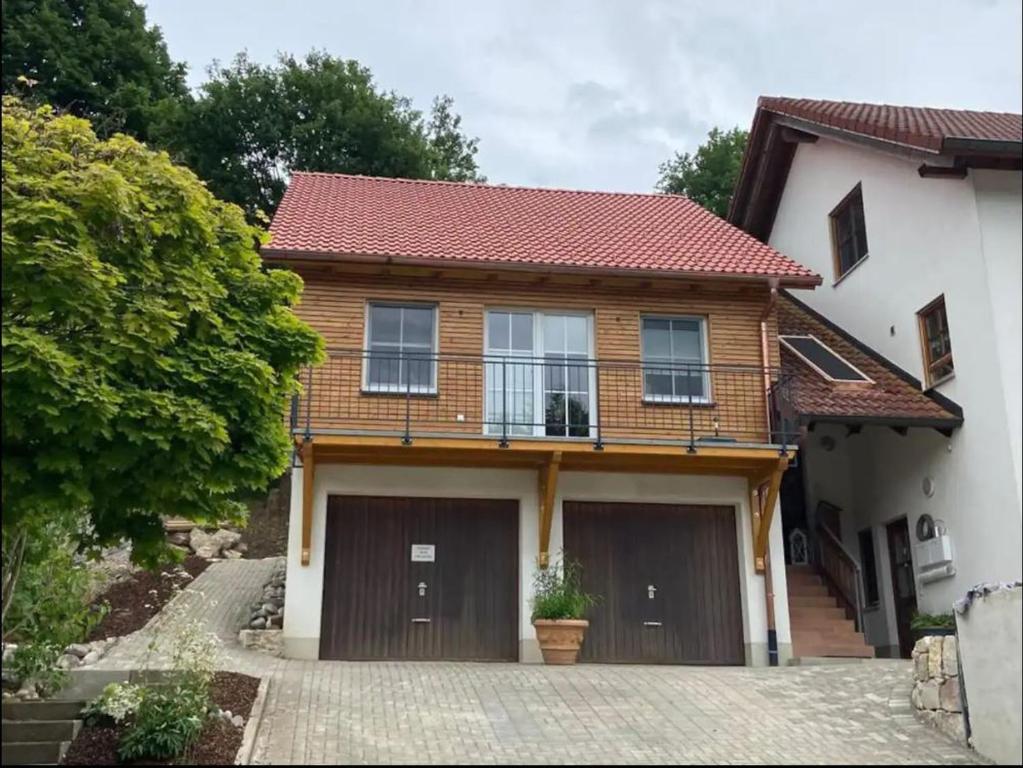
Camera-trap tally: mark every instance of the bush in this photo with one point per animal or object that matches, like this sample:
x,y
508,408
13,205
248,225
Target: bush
x,y
117,702
933,621
558,594
169,720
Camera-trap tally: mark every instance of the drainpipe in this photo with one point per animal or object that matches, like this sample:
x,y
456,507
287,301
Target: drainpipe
x,y
772,634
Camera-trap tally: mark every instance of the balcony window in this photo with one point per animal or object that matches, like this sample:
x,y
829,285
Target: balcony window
x,y
675,360
402,343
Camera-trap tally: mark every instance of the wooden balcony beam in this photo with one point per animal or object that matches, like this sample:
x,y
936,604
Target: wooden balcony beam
x,y
766,492
308,479
548,487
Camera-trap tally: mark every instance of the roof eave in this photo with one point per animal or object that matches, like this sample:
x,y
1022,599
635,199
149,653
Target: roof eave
x,y
290,255
929,422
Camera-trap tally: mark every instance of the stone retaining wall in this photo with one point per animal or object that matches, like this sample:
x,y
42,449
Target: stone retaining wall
x,y
936,697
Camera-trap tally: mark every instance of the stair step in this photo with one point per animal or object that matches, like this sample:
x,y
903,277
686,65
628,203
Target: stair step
x,y
800,612
40,730
42,710
832,650
827,636
808,590
33,753
813,601
827,625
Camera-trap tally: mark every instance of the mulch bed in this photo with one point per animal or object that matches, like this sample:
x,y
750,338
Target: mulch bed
x,y
218,744
138,598
266,532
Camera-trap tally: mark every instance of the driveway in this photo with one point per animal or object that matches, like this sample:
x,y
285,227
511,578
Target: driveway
x,y
336,712
322,712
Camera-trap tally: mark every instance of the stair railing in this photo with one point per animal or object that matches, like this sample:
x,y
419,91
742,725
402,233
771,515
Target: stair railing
x,y
842,570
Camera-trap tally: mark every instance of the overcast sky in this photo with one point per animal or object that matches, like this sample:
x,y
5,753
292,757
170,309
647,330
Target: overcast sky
x,y
596,94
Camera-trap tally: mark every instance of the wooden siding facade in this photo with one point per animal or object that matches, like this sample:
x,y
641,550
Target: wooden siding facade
x,y
336,297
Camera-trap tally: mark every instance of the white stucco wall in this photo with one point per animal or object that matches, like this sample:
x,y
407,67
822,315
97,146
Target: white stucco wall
x,y
927,237
305,583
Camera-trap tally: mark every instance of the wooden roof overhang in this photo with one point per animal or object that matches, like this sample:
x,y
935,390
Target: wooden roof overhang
x,y
760,465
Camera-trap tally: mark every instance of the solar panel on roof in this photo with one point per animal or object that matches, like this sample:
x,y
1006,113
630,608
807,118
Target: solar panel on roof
x,y
822,358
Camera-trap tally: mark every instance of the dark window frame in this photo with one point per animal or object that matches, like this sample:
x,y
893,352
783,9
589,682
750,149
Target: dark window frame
x,y
936,349
849,245
868,562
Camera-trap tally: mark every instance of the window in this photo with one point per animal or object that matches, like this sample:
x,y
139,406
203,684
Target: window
x,y
401,341
849,232
674,360
869,565
823,359
937,345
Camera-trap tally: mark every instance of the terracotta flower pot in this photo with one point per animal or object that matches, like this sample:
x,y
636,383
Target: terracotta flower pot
x,y
560,639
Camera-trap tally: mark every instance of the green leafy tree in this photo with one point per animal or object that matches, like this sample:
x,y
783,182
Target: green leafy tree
x,y
709,176
251,125
147,355
92,58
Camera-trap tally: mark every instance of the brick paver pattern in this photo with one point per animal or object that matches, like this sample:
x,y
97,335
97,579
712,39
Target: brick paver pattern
x,y
320,712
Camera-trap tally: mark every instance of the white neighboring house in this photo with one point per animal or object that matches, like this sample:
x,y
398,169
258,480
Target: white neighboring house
x,y
913,216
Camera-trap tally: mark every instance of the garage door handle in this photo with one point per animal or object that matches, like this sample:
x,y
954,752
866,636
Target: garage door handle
x,y
420,621
652,624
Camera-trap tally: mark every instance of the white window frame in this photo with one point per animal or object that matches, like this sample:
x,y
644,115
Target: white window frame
x,y
708,396
783,338
370,388
539,430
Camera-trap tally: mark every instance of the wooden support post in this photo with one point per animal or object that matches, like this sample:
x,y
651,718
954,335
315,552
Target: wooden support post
x,y
756,515
548,487
768,499
308,478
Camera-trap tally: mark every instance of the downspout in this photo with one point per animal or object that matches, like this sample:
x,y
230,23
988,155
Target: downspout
x,y
765,359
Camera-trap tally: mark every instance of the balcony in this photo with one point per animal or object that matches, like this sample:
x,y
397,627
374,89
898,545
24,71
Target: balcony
x,y
504,400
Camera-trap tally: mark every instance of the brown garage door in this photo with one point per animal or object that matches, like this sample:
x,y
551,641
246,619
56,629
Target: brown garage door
x,y
420,579
668,576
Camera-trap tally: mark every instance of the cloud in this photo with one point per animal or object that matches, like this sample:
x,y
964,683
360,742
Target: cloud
x,y
596,93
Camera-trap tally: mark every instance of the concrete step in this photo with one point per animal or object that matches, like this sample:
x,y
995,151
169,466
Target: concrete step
x,y
813,601
800,612
33,752
820,661
827,636
42,710
40,730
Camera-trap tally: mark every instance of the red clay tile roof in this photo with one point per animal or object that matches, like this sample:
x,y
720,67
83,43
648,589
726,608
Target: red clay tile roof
x,y
890,396
921,127
404,220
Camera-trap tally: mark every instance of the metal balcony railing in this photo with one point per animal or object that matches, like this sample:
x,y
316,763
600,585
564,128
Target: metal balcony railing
x,y
553,397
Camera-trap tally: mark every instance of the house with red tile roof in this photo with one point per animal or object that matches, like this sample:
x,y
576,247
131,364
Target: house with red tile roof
x,y
516,376
910,455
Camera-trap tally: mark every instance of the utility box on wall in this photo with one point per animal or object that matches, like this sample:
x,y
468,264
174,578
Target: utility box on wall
x,y
934,558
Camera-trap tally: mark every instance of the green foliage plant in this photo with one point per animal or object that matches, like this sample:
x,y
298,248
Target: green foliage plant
x,y
709,175
558,592
932,621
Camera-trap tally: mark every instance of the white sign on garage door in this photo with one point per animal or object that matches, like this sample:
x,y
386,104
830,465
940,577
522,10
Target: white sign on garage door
x,y
423,553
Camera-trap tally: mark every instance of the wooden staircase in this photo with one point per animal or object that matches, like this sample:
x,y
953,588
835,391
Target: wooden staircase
x,y
818,620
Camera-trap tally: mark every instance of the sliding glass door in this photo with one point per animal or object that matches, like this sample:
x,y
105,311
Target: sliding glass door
x,y
538,372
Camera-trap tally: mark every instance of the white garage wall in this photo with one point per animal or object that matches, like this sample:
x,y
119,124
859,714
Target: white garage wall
x,y
305,583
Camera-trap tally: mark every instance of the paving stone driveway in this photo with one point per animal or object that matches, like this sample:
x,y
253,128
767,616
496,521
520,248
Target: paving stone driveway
x,y
336,712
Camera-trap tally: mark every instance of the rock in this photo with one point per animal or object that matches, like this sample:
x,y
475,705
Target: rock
x,y
237,721
227,539
929,698
934,657
921,646
10,681
269,608
78,649
920,666
68,661
232,554
9,650
28,692
203,544
948,695
257,623
951,724
178,538
277,621
242,547
90,658
914,697
269,641
950,657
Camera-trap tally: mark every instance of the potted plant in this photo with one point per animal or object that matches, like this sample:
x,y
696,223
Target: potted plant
x,y
924,624
559,605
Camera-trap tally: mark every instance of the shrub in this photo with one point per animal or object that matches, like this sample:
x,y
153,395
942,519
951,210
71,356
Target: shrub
x,y
558,594
933,621
169,720
117,702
